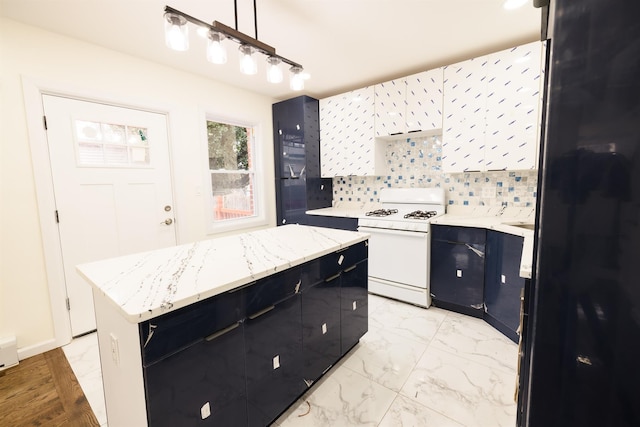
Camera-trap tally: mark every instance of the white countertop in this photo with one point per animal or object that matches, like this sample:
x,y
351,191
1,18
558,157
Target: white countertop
x,y
346,209
510,220
146,285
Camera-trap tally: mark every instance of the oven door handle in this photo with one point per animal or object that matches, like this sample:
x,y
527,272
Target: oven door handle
x,y
406,233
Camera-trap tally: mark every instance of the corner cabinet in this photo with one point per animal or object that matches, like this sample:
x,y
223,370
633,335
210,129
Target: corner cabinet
x,y
492,111
239,358
503,284
410,104
347,145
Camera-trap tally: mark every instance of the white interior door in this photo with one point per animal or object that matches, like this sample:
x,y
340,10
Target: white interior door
x,y
112,185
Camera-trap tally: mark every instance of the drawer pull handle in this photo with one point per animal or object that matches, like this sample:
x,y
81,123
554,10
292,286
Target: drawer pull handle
x,y
261,312
353,267
243,286
334,277
222,332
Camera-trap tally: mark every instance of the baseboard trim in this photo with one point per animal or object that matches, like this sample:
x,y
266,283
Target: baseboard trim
x,y
36,349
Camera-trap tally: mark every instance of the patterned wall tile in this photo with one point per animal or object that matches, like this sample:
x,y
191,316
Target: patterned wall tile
x,y
417,162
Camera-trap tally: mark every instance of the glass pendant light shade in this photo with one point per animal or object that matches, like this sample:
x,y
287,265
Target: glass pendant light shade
x,y
274,72
176,32
296,81
248,63
216,52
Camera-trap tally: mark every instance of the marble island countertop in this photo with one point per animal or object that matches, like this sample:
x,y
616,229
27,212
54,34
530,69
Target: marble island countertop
x,y
148,284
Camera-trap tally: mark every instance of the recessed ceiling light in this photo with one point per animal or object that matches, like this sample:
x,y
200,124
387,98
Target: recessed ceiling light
x,y
513,4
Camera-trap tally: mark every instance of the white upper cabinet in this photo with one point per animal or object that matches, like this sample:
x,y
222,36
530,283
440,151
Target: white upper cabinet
x,y
347,145
424,101
409,104
492,111
390,107
513,99
465,99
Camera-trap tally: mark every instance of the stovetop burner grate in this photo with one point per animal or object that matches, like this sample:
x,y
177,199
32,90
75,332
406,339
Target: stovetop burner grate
x,y
421,214
382,212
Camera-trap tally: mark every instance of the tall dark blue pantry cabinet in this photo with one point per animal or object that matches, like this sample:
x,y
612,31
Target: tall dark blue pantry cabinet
x,y
296,137
583,348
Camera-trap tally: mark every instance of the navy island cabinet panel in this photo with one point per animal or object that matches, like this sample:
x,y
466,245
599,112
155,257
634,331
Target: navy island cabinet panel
x,y
354,308
457,268
320,327
273,333
274,360
503,284
210,337
296,136
179,395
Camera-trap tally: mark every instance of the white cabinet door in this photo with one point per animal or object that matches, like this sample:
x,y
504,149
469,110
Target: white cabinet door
x,y
347,134
463,127
390,107
512,119
424,101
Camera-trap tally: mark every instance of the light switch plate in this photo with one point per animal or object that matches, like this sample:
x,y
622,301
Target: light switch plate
x,y
458,273
276,362
324,328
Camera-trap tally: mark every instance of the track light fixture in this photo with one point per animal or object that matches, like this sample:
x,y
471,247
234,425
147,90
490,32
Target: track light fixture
x,y
177,38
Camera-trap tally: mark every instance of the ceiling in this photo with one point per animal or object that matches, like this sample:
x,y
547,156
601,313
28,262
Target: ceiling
x,y
342,44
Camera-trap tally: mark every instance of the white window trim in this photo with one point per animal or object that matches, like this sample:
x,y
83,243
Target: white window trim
x,y
238,224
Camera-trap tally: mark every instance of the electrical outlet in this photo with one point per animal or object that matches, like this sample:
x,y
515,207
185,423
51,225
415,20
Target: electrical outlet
x,y
115,351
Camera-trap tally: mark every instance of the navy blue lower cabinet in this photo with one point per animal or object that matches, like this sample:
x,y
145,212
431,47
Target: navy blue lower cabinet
x,y
457,269
354,308
503,284
202,385
273,360
320,327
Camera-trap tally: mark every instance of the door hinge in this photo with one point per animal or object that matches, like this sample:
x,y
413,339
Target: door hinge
x,y
57,217
68,304
44,121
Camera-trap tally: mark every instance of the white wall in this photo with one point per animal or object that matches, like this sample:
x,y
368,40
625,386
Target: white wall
x,y
32,55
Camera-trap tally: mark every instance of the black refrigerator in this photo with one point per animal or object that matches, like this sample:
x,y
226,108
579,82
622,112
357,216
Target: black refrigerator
x,y
296,137
582,349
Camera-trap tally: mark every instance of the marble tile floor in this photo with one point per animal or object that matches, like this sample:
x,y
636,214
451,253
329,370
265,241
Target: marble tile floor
x,y
414,368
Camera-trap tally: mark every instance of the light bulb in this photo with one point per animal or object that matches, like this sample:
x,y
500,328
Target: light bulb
x,y
248,64
216,52
176,32
296,81
274,73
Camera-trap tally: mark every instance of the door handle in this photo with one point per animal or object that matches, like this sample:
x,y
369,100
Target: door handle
x,y
167,221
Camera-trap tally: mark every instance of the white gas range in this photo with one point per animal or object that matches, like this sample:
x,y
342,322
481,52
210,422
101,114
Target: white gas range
x,y
399,246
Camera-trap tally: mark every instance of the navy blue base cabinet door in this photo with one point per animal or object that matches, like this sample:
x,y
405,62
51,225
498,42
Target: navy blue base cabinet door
x,y
208,376
320,328
457,269
354,308
503,284
274,360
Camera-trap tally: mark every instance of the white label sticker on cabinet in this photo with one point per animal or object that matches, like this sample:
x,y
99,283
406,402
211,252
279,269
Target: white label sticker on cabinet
x,y
459,273
340,259
276,362
324,328
503,279
355,305
205,411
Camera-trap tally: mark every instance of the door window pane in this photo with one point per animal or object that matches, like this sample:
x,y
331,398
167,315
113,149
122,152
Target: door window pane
x,y
111,145
231,168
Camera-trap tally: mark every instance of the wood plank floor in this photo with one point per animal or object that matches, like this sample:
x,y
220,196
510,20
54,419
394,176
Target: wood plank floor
x,y
43,391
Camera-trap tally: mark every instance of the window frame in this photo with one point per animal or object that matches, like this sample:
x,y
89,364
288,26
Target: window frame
x,y
236,224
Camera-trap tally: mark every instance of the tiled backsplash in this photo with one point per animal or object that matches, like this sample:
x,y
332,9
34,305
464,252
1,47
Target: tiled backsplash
x,y
417,163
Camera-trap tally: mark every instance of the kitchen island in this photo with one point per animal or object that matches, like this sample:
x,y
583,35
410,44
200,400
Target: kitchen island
x,y
228,331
